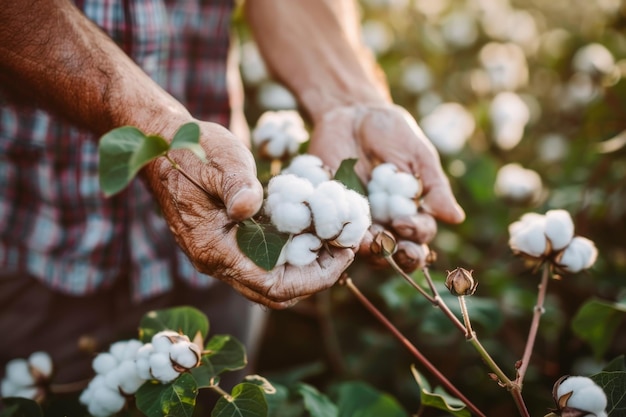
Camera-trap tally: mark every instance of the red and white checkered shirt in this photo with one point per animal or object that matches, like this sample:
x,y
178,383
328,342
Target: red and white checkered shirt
x,y
55,223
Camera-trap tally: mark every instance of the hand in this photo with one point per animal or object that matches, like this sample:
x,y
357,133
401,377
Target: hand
x,y
388,133
205,227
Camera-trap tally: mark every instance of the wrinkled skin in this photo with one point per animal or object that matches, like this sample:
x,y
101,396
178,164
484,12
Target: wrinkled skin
x,y
204,226
387,133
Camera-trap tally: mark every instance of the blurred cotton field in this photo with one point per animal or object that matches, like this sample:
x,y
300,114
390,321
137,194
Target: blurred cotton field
x,y
525,102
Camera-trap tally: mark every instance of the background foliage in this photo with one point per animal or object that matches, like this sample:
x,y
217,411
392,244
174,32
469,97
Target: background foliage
x,y
573,141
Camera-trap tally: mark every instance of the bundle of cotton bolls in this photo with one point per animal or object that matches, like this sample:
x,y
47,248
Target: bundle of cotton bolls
x,y
279,134
551,237
314,213
116,377
25,377
167,356
392,194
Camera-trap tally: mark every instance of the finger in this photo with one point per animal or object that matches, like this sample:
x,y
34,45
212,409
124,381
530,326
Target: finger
x,y
440,202
419,228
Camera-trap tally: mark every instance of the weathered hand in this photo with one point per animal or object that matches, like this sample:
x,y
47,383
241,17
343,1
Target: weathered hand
x,y
388,133
205,227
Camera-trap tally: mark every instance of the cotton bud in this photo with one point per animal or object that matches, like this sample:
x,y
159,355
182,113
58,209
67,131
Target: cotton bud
x,y
579,396
384,244
309,167
581,253
460,282
279,134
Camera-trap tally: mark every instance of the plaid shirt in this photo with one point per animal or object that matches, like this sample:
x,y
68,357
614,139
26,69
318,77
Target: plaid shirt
x,y
55,223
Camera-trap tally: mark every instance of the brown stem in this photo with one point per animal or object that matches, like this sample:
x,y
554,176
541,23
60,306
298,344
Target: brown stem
x,y
534,327
347,281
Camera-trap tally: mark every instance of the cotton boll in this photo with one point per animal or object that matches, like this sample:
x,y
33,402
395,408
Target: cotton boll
x,y
42,362
381,175
359,221
405,185
585,395
274,96
131,348
185,354
505,64
129,380
161,367
594,58
448,127
142,361
290,188
559,228
302,249
17,371
104,362
517,184
581,253
163,340
509,115
309,167
459,29
528,236
416,77
291,217
8,388
329,209
400,206
379,207
109,400
279,134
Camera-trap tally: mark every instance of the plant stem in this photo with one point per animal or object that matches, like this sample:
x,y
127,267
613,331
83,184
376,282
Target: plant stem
x,y
214,199
437,301
469,333
534,326
347,281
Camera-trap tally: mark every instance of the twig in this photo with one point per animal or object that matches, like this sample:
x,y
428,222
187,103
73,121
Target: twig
x,y
347,281
534,326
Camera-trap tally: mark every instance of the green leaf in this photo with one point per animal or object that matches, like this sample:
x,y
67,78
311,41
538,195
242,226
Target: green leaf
x,y
225,354
186,320
248,400
347,176
283,404
188,137
438,398
614,385
596,323
316,403
261,243
177,398
122,152
20,407
357,399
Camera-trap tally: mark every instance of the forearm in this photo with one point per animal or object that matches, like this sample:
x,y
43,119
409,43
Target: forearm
x,y
54,57
314,47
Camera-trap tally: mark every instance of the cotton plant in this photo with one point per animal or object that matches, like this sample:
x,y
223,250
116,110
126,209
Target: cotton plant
x,y
550,237
27,378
